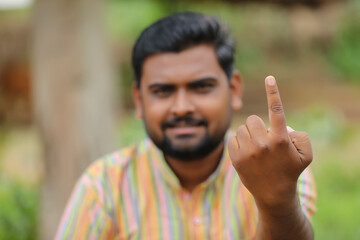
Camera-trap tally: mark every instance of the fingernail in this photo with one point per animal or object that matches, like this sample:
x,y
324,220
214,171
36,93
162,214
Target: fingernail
x,y
270,80
290,129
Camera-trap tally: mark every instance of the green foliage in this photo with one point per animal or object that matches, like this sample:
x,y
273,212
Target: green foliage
x,y
126,19
344,53
22,13
130,129
321,123
338,196
18,211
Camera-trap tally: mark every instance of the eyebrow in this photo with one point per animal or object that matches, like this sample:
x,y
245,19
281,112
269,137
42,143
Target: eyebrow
x,y
202,80
160,85
191,84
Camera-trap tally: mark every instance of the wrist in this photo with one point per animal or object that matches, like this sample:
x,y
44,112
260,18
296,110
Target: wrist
x,y
283,222
279,206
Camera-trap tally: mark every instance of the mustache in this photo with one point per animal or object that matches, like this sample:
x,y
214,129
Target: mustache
x,y
187,121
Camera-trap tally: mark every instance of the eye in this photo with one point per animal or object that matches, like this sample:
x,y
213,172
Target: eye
x,y
163,92
203,87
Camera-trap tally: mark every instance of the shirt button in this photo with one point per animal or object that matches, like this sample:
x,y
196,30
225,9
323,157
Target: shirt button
x,y
187,196
196,220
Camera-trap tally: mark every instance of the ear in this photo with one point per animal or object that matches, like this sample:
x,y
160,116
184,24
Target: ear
x,y
137,101
236,88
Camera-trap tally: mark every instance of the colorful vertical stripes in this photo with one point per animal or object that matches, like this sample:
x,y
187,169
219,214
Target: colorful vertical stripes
x,y
133,194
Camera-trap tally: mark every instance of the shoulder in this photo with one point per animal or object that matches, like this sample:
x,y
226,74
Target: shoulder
x,y
102,180
112,166
94,197
113,161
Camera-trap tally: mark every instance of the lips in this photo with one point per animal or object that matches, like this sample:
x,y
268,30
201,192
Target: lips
x,y
184,126
184,130
183,122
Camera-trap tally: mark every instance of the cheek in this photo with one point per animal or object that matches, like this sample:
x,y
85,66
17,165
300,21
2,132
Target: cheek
x,y
154,113
217,110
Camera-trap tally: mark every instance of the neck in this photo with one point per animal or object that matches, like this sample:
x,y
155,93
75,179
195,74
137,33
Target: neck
x,y
194,172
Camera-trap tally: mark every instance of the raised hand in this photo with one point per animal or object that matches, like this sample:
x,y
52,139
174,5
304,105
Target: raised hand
x,y
269,161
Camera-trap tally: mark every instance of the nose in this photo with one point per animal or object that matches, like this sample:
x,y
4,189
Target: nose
x,y
182,104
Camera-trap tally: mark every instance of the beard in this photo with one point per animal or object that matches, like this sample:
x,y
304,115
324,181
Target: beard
x,y
206,145
201,149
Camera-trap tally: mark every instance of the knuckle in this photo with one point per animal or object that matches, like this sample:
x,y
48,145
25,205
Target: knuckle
x,y
302,137
305,135
282,141
234,156
252,118
301,133
253,155
277,108
273,91
240,130
263,147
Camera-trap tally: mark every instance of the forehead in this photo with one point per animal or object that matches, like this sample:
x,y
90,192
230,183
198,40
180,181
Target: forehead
x,y
193,63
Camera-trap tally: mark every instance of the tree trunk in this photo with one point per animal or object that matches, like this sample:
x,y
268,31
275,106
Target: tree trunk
x,y
73,96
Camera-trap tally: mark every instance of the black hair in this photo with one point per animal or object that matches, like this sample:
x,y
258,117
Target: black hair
x,y
180,31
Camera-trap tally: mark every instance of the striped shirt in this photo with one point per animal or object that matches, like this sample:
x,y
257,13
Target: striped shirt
x,y
133,194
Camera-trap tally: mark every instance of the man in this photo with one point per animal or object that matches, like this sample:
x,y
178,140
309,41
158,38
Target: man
x,y
180,183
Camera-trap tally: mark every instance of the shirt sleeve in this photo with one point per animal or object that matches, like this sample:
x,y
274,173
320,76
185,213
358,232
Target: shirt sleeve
x,y
307,193
85,216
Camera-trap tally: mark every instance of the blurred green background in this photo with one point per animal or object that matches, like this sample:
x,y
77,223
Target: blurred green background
x,y
313,52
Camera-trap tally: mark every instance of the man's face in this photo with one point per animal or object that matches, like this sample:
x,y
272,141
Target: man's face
x,y
186,101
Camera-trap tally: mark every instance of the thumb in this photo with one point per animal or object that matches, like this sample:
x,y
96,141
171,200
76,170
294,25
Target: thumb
x,y
302,143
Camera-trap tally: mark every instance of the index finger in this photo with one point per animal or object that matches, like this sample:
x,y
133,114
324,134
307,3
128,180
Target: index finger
x,y
276,110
